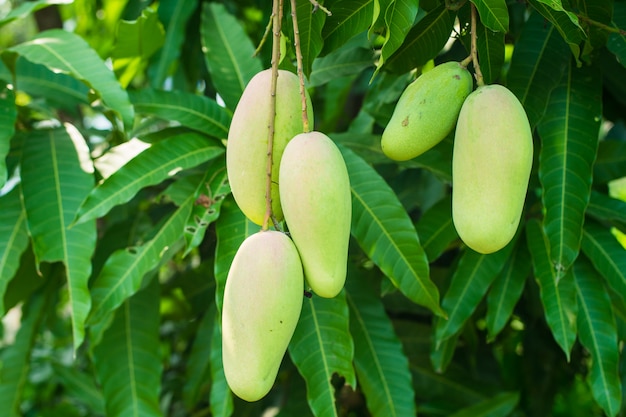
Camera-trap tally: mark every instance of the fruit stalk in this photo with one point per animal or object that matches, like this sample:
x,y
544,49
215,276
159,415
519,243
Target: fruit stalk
x,y
277,16
474,50
296,44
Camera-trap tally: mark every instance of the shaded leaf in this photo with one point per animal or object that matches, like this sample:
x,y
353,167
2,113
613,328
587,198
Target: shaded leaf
x,y
8,117
441,352
494,14
559,302
157,163
385,232
610,162
436,230
228,53
27,8
339,63
79,386
348,19
310,26
220,398
500,405
126,361
321,346
598,334
607,209
66,52
564,21
198,367
490,46
617,41
398,17
380,363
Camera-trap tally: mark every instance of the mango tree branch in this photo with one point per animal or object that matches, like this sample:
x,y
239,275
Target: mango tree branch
x,y
296,43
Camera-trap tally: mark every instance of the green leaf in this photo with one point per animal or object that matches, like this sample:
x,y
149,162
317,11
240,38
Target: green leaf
x,y
436,230
569,134
617,41
175,15
79,386
220,398
559,302
493,14
507,289
349,18
197,383
610,162
598,334
191,110
209,197
490,46
398,17
566,23
470,282
232,228
321,346
442,352
381,365
385,232
310,26
607,256
501,405
139,38
25,9
13,238
157,163
339,63
424,41
66,52
607,209
127,362
53,185
228,53
8,117
537,63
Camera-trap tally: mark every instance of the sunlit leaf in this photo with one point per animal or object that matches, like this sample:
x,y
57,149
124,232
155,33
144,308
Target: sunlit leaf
x,y
27,8
139,38
398,17
494,14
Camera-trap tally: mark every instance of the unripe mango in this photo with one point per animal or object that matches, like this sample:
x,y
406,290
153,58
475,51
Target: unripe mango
x,y
262,305
316,200
491,163
426,111
246,150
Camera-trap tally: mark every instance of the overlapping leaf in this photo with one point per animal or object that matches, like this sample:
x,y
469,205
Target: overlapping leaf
x,y
385,232
598,334
8,116
607,209
321,346
27,8
398,17
436,230
490,46
569,136
310,26
155,164
566,22
617,41
559,302
501,405
220,398
342,62
228,53
53,185
610,162
66,52
127,364
379,361
79,386
349,18
494,14
191,110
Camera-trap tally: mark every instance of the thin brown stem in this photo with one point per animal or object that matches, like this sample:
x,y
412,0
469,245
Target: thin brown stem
x,y
317,6
474,50
296,43
277,17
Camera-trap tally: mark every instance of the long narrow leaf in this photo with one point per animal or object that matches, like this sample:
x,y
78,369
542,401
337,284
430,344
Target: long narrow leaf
x,y
490,47
220,398
321,346
501,405
598,334
8,116
398,18
310,26
436,229
349,18
198,367
384,230
493,14
566,22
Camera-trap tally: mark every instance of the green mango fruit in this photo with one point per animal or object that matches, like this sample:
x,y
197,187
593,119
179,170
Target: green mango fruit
x,y
491,163
426,111
262,305
316,200
246,149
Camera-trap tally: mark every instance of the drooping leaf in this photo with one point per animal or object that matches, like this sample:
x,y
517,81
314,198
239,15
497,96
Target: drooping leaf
x,y
228,53
13,238
494,14
490,46
27,8
349,18
66,52
569,138
598,334
53,185
507,289
385,232
501,405
559,302
310,26
436,230
380,363
220,398
8,116
341,62
398,17
424,41
539,58
321,346
191,110
157,163
470,282
127,364
566,22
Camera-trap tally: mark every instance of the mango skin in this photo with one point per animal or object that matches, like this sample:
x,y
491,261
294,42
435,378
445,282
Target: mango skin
x,y
246,150
316,199
262,305
426,111
491,163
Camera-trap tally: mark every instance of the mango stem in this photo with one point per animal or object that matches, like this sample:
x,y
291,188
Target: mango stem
x,y
474,50
277,17
296,44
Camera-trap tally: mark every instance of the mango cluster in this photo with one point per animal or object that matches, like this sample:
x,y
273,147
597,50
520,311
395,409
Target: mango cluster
x,y
492,154
310,191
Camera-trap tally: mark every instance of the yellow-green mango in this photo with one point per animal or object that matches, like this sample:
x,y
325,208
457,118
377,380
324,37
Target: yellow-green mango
x,y
426,111
262,305
316,200
491,163
246,149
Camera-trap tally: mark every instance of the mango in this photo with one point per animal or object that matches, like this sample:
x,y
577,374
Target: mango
x,y
262,305
491,163
426,111
316,200
246,149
